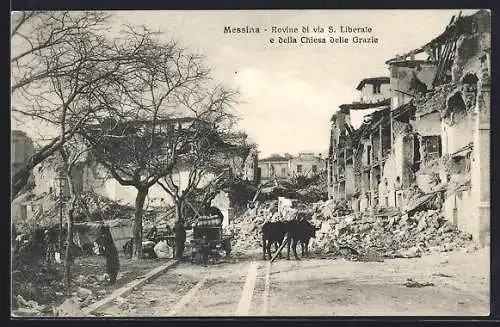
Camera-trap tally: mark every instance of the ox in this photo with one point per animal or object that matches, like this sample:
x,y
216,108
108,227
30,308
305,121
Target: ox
x,y
299,231
296,231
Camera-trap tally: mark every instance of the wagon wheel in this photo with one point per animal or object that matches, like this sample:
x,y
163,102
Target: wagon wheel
x,y
214,253
198,255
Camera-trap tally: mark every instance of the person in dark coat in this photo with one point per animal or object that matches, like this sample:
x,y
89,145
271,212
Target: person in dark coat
x,y
110,253
180,238
205,250
49,250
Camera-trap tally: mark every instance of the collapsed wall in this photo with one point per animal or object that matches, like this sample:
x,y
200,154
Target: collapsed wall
x,y
386,234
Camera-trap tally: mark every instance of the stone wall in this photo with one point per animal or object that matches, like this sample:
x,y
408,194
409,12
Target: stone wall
x,y
350,186
455,137
401,77
427,125
21,150
367,95
459,210
221,201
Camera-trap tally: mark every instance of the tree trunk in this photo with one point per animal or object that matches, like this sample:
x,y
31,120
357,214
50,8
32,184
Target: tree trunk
x,y
180,232
178,208
68,254
142,192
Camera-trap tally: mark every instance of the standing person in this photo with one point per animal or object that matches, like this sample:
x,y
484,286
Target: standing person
x,y
180,238
205,250
110,253
49,251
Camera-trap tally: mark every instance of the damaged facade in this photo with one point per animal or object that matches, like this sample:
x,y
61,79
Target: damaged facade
x,y
21,150
278,167
424,132
357,152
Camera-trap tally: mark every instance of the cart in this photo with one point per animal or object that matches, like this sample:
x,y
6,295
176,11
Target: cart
x,y
208,243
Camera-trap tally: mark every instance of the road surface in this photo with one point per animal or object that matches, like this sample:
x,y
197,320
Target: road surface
x,y
317,287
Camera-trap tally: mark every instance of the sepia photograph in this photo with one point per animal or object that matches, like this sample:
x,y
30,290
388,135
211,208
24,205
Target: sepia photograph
x,y
250,163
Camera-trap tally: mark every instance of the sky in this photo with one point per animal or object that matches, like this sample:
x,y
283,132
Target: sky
x,y
288,92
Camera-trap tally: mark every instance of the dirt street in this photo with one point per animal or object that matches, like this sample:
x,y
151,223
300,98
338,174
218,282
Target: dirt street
x,y
333,287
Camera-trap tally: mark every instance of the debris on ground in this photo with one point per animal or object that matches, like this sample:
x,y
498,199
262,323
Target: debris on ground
x,y
83,292
37,282
413,283
441,275
28,307
390,234
383,233
69,308
39,289
246,228
124,304
120,300
85,296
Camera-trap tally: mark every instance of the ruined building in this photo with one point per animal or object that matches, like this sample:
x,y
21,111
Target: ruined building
x,y
306,164
278,167
274,166
422,134
21,150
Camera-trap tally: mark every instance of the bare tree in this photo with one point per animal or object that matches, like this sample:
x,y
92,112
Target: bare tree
x,y
35,35
206,135
56,60
214,154
62,66
139,141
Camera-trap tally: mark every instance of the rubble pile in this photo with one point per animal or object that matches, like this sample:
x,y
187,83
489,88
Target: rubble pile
x,y
328,209
312,193
35,286
386,233
389,236
246,228
28,308
315,190
106,209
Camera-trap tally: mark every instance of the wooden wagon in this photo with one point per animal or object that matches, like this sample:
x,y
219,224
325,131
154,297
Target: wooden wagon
x,y
209,243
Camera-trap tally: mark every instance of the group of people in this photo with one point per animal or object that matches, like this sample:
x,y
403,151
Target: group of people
x,y
43,241
179,231
153,235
